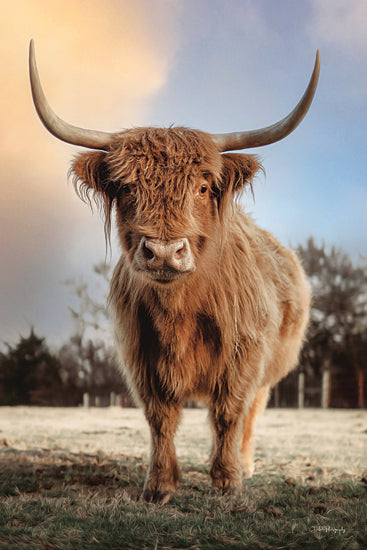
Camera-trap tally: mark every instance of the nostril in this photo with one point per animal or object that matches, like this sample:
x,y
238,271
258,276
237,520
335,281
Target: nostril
x,y
179,251
148,252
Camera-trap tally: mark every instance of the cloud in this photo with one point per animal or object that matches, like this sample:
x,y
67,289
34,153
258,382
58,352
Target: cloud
x,y
101,62
339,28
342,23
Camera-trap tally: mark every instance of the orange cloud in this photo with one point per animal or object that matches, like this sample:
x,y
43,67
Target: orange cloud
x,y
100,62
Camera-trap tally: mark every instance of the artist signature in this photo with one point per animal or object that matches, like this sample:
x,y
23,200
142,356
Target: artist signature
x,y
326,529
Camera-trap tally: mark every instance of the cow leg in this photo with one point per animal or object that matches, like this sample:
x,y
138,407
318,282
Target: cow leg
x,y
163,471
226,467
247,450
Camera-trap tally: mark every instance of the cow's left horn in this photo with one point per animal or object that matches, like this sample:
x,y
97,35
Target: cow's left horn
x,y
264,136
58,127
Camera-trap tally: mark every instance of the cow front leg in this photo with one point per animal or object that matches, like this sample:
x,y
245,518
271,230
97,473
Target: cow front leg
x,y
247,449
226,467
163,471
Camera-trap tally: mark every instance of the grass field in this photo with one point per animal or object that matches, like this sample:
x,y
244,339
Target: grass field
x,y
71,479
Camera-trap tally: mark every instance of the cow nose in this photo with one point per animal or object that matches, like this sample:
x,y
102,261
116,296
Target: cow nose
x,y
162,255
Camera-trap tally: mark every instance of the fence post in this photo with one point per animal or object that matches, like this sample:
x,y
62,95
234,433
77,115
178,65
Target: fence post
x,y
361,389
98,401
301,390
325,389
276,396
86,400
113,399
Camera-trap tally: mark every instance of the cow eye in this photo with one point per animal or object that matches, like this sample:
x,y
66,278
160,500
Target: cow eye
x,y
203,189
126,189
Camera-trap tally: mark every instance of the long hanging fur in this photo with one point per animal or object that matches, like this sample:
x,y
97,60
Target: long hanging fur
x,y
225,333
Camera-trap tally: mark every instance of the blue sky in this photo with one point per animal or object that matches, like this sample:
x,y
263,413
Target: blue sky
x,y
247,67
215,65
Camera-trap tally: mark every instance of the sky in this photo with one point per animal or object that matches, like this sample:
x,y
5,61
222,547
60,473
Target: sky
x,y
215,65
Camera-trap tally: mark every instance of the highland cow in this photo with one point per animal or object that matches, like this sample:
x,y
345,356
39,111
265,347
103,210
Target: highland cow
x,y
206,305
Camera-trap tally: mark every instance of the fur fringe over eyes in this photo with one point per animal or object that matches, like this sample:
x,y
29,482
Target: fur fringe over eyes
x,y
159,162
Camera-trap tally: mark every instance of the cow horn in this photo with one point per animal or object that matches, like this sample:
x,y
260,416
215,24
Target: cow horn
x,y
59,128
264,136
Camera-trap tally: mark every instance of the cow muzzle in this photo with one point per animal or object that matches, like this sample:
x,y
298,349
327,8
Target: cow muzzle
x,y
164,261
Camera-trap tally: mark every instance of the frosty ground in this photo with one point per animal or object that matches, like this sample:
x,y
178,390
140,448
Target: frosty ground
x,y
287,441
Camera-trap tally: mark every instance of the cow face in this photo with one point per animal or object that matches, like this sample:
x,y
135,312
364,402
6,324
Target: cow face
x,y
171,188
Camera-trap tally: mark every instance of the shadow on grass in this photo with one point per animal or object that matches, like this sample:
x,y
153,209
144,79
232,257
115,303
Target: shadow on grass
x,y
66,501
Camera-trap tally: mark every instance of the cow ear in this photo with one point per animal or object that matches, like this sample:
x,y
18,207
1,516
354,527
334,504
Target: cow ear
x,y
91,175
237,171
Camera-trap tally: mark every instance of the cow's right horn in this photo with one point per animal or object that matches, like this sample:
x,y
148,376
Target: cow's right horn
x,y
58,127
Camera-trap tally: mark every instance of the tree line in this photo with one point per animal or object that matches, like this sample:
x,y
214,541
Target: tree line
x,y
31,373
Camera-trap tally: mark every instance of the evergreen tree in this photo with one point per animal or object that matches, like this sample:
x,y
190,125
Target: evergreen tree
x,y
29,373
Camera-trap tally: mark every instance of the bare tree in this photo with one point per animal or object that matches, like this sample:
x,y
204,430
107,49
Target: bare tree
x,y
338,331
89,355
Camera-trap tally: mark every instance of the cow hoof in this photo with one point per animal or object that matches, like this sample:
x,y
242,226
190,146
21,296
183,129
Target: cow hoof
x,y
232,492
157,497
229,492
248,471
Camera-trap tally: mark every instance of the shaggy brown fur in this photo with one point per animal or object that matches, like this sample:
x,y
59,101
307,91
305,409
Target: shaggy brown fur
x,y
225,330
